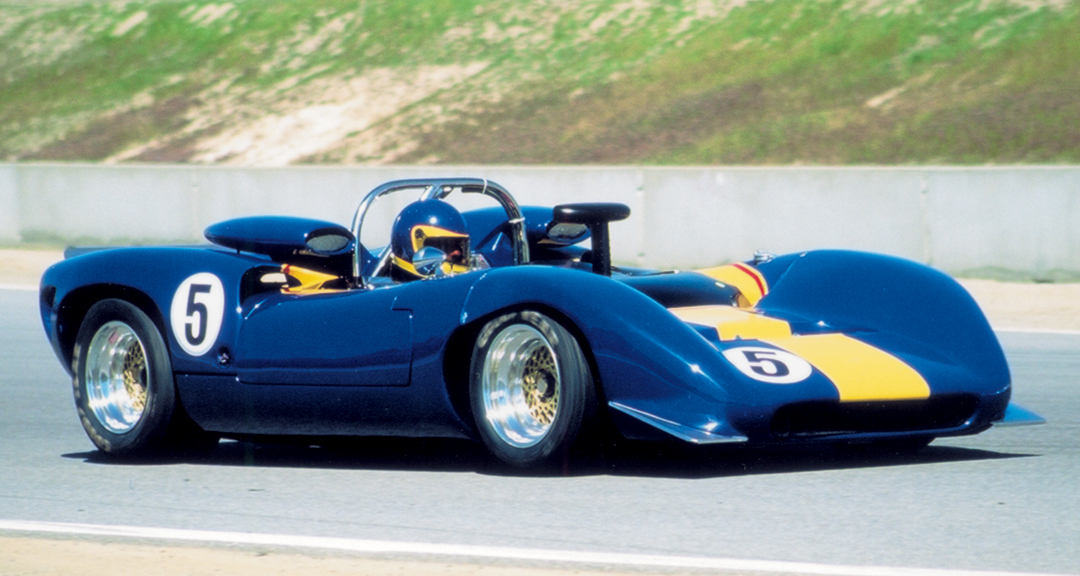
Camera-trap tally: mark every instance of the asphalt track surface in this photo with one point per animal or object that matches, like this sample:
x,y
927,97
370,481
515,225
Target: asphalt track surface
x,y
1007,500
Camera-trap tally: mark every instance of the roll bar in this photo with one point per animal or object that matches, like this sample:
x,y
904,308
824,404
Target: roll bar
x,y
437,189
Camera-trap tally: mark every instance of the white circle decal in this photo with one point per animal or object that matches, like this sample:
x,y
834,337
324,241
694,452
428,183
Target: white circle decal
x,y
769,364
196,313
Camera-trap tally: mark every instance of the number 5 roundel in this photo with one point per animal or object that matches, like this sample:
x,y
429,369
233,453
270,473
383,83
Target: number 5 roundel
x,y
769,364
196,313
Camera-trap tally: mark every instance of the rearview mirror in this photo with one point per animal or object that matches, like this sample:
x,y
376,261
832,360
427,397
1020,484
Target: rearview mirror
x,y
595,216
328,241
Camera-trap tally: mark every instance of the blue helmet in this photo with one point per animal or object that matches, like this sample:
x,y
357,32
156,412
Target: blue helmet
x,y
429,223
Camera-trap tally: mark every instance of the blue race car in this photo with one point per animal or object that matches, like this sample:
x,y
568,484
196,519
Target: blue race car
x,y
495,325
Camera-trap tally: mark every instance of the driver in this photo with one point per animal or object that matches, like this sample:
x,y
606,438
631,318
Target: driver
x,y
427,223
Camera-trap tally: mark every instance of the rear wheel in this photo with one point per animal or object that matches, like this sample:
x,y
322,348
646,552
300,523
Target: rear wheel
x,y
531,390
123,384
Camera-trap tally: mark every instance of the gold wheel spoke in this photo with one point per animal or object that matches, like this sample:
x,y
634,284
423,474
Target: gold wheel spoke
x,y
541,386
135,376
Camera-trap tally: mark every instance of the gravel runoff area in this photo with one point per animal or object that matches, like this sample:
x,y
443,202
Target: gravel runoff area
x,y
1008,305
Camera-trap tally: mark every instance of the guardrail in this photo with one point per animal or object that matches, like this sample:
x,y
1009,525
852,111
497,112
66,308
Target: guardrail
x,y
1010,222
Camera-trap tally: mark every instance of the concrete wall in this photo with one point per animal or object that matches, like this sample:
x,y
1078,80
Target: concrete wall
x,y
1019,222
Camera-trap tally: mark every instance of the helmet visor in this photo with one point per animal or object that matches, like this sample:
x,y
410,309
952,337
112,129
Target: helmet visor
x,y
454,245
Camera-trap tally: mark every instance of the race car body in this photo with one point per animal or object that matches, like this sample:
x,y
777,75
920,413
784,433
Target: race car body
x,y
497,326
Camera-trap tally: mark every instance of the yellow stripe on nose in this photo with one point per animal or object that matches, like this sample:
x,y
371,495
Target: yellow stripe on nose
x,y
732,323
859,371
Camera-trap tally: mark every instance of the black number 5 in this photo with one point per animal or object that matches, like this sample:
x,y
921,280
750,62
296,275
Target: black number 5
x,y
765,364
197,336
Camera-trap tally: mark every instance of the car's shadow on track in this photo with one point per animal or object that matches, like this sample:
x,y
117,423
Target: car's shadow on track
x,y
710,462
641,459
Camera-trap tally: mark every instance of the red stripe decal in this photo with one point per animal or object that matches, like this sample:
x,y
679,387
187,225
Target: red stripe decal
x,y
752,274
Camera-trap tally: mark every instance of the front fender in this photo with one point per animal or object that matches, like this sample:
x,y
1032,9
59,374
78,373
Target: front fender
x,y
895,304
647,359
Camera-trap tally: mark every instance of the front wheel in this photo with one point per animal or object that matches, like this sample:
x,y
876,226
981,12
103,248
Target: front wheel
x,y
531,389
123,383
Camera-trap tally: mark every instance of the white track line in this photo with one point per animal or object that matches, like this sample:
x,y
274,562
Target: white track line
x,y
484,552
19,287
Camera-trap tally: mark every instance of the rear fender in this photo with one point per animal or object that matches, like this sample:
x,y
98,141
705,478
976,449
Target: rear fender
x,y
149,278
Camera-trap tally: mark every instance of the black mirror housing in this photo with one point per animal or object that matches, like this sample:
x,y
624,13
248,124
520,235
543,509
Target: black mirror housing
x,y
595,216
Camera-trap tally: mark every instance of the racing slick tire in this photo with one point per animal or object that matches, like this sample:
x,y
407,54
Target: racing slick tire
x,y
123,385
531,390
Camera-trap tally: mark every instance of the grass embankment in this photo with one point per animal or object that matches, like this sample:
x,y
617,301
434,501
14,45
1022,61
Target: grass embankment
x,y
604,81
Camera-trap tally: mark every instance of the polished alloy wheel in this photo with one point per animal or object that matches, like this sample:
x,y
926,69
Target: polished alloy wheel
x,y
117,377
520,385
